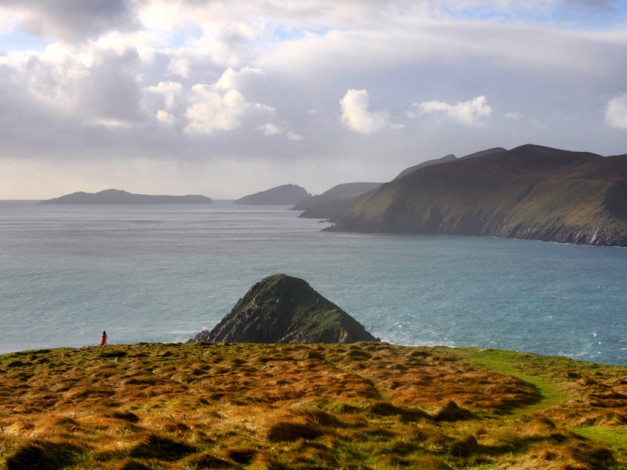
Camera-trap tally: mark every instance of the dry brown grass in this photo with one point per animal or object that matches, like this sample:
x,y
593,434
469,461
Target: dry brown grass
x,y
367,405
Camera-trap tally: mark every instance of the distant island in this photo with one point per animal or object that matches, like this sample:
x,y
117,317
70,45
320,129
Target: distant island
x,y
530,192
287,194
116,196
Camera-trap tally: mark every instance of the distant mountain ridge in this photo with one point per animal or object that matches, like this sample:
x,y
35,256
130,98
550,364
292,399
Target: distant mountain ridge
x,y
530,192
286,194
448,158
117,196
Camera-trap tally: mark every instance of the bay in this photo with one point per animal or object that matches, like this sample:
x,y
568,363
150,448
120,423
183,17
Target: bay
x,y
162,273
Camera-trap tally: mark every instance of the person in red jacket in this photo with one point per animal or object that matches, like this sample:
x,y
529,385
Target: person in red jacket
x,y
103,338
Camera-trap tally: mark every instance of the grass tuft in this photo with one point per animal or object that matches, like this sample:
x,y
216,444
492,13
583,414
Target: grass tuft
x,y
286,431
161,448
451,412
45,455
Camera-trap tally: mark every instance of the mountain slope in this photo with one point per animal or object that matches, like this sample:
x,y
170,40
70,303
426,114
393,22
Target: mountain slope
x,y
334,201
285,309
530,192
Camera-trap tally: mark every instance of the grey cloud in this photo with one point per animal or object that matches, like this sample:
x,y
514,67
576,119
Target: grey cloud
x,y
112,90
72,20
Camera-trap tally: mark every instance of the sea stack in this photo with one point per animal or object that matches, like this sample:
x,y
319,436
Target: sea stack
x,y
285,309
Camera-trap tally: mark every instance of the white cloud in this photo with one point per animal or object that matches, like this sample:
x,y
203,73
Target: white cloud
x,y
232,78
616,112
469,113
294,136
211,110
169,91
357,117
222,106
269,129
165,118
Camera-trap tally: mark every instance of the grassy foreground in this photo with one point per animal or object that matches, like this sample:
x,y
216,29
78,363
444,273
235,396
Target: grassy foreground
x,y
366,405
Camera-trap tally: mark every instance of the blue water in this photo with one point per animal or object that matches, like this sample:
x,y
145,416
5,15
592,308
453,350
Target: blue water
x,y
163,273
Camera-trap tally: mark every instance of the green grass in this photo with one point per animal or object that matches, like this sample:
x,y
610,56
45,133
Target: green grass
x,y
614,437
517,365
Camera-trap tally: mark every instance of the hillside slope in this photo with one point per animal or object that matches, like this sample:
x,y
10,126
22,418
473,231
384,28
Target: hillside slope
x,y
333,201
288,406
529,192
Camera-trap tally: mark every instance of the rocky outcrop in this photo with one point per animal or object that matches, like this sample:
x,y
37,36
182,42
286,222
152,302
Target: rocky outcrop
x,y
116,196
529,192
287,194
285,309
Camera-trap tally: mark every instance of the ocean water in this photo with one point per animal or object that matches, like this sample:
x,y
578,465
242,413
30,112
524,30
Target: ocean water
x,y
163,273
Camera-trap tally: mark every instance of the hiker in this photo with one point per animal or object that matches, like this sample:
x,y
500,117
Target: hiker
x,y
103,338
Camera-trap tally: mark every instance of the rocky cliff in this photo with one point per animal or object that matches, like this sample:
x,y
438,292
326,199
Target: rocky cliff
x,y
530,192
287,194
285,309
116,196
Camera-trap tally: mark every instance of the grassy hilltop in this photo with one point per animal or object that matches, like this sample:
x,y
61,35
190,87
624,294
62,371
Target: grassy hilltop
x,y
364,405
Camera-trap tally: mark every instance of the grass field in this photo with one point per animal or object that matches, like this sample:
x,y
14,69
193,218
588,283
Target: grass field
x,y
360,406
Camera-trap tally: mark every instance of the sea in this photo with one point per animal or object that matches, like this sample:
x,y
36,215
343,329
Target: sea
x,y
162,273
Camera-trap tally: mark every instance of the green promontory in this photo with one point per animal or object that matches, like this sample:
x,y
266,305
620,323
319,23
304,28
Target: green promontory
x,y
285,309
530,192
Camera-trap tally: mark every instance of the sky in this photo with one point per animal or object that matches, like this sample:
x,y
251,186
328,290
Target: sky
x,y
226,98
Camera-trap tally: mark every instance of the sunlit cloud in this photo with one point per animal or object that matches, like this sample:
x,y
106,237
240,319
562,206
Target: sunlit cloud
x,y
616,112
357,117
471,113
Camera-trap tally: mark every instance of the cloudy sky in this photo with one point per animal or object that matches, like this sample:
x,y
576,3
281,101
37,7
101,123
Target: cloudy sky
x,y
224,98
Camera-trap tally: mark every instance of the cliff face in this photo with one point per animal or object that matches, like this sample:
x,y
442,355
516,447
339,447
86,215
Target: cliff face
x,y
116,196
529,192
284,309
285,194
